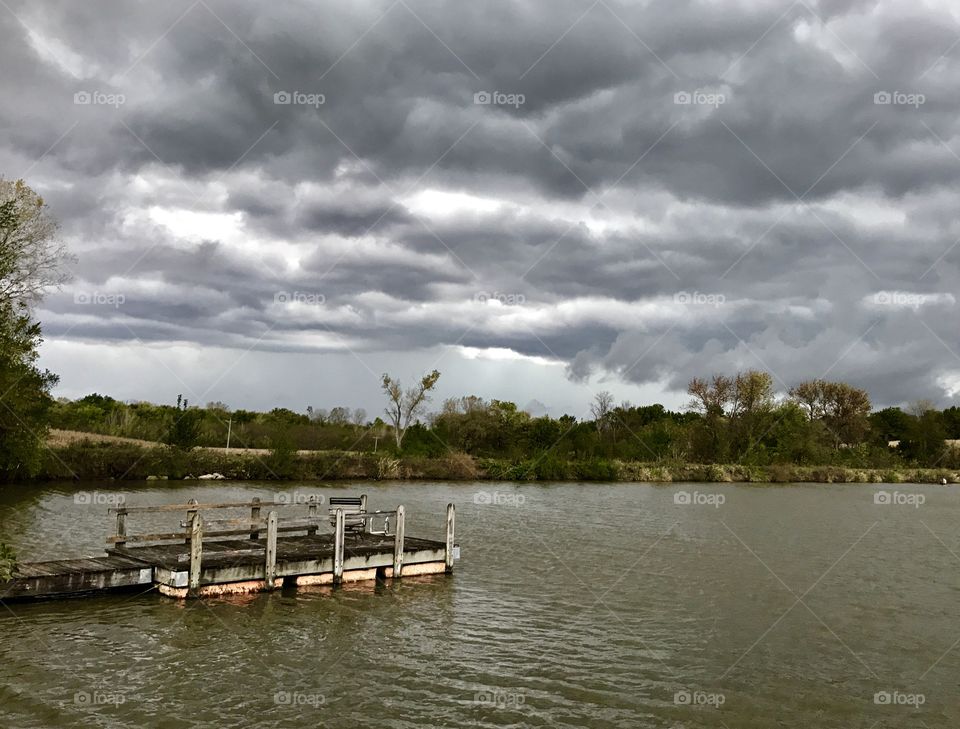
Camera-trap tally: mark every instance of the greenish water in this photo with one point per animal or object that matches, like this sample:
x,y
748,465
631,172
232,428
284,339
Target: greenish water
x,y
574,605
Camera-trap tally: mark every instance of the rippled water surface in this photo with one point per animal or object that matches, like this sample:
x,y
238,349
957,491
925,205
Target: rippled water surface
x,y
574,605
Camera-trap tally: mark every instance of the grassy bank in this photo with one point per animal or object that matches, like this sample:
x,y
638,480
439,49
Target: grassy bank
x,y
133,462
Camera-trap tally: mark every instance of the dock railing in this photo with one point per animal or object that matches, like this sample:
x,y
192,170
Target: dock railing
x,y
196,528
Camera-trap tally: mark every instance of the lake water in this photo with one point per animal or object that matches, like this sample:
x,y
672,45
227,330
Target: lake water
x,y
574,605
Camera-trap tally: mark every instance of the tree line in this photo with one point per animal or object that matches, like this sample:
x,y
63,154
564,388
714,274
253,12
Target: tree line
x,y
737,418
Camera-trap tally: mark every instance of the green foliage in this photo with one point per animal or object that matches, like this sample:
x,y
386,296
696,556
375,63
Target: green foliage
x,y
597,469
26,395
184,431
8,563
283,452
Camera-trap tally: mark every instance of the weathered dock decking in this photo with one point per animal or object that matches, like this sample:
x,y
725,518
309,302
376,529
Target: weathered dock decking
x,y
219,556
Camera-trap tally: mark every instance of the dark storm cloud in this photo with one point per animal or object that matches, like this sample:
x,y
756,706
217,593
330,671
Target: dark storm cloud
x,y
788,222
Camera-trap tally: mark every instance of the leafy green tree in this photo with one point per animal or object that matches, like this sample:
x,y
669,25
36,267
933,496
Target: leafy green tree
x,y
184,431
890,424
924,443
25,400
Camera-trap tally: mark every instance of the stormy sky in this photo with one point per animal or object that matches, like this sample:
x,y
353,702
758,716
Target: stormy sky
x,y
271,204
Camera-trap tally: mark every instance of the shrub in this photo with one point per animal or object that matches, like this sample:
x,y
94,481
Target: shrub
x,y
8,563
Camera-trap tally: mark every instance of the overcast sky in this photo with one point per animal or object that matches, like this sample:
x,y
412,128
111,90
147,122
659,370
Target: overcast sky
x,y
271,204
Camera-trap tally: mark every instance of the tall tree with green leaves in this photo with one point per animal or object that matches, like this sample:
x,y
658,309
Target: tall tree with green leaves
x,y
25,400
31,260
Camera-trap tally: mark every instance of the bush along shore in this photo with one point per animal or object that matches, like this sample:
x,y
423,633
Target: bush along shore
x,y
129,462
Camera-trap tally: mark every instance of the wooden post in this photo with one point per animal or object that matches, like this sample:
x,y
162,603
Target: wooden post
x,y
363,508
190,514
398,544
451,514
312,514
338,549
255,516
271,566
121,527
196,550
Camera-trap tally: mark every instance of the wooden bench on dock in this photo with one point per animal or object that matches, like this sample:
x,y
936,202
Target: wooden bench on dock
x,y
262,551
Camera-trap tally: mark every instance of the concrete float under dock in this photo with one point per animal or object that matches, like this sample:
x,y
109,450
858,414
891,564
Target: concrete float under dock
x,y
212,557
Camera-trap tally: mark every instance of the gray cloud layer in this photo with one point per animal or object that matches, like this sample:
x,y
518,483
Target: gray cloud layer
x,y
784,219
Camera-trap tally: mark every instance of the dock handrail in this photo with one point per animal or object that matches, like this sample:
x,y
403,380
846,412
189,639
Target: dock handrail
x,y
310,523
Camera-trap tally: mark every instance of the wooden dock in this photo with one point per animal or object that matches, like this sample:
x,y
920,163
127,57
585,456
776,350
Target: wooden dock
x,y
207,556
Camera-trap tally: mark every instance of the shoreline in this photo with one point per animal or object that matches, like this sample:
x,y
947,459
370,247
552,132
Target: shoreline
x,y
92,461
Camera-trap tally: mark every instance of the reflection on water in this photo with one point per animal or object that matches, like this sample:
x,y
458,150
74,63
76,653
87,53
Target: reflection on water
x,y
575,605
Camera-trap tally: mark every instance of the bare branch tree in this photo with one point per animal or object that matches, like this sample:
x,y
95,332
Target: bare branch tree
x,y
31,258
404,407
601,407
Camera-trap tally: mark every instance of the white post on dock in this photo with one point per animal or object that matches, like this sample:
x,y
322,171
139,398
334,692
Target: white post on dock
x,y
196,550
398,543
271,567
448,556
312,514
338,549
